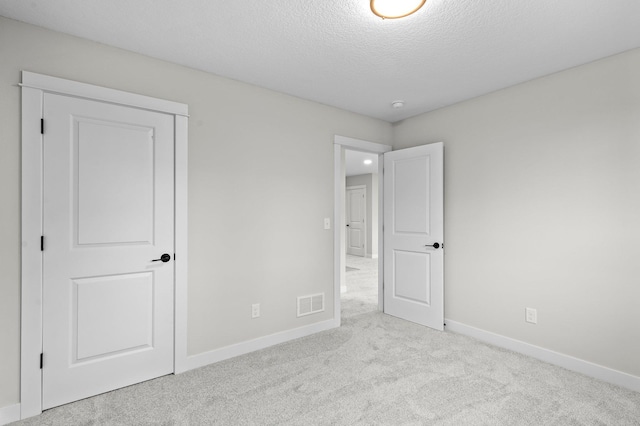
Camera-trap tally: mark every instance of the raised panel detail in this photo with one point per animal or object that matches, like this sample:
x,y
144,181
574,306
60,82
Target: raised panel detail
x,y
355,238
412,273
112,315
114,183
355,212
411,195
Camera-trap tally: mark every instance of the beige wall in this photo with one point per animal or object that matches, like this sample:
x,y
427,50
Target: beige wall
x,y
260,184
542,209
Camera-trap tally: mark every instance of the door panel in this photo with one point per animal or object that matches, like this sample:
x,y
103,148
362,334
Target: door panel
x,y
356,229
99,333
411,195
108,212
410,267
115,170
413,221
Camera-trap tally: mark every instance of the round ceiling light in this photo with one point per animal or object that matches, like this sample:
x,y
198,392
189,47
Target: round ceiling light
x,y
393,9
367,161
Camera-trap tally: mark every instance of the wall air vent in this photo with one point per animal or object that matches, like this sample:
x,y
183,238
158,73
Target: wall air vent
x,y
311,304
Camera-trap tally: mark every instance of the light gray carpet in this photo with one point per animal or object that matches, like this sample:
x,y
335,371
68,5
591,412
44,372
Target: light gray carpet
x,y
374,370
362,286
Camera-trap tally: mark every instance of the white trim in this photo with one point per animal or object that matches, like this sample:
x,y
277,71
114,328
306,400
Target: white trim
x,y
217,355
361,145
69,87
380,254
33,88
587,368
339,192
181,246
10,413
31,256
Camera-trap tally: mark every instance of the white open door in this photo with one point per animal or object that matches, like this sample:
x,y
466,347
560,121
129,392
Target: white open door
x,y
413,235
108,214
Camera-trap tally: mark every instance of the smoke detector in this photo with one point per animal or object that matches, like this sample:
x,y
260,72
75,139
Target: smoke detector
x,y
397,104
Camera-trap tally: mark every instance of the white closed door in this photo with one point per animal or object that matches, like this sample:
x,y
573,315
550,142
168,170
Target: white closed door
x,y
413,235
108,213
356,228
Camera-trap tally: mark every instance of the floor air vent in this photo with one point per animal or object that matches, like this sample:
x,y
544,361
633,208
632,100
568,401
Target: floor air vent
x,y
311,304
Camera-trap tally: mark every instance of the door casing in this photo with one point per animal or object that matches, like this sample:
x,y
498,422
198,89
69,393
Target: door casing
x,y
33,88
340,144
339,235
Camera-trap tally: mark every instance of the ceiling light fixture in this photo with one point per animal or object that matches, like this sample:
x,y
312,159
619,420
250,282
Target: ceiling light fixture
x,y
397,104
393,9
367,161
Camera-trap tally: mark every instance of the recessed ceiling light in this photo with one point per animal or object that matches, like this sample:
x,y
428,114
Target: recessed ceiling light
x,y
393,9
367,161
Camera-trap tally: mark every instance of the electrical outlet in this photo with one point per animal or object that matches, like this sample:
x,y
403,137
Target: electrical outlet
x,y
255,310
531,315
327,223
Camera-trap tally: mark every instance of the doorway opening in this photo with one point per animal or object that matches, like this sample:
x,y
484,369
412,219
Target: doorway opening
x,y
359,294
358,227
411,207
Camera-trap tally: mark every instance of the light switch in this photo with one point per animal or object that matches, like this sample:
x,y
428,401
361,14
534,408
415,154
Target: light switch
x,y
327,223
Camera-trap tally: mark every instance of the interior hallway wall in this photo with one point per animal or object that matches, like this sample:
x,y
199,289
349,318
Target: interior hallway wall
x,y
260,184
542,209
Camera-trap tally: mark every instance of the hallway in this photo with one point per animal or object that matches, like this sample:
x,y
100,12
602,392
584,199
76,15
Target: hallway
x,y
362,286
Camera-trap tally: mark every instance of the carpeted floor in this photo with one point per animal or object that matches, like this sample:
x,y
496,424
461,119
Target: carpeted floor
x,y
362,286
374,370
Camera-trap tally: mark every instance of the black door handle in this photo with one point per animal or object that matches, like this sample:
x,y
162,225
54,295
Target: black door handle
x,y
164,258
434,245
347,224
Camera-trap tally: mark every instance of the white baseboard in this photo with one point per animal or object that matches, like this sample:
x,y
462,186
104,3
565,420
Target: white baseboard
x,y
10,413
217,355
587,368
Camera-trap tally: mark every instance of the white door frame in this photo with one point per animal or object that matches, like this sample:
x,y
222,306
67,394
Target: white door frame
x,y
340,143
34,86
366,219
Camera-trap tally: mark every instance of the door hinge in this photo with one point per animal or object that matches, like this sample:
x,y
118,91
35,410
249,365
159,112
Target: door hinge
x,y
41,360
174,257
42,126
42,243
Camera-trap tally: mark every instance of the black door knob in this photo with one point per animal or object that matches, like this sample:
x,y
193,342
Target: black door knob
x,y
434,245
164,258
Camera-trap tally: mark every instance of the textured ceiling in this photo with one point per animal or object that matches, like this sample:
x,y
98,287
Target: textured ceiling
x,y
339,53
